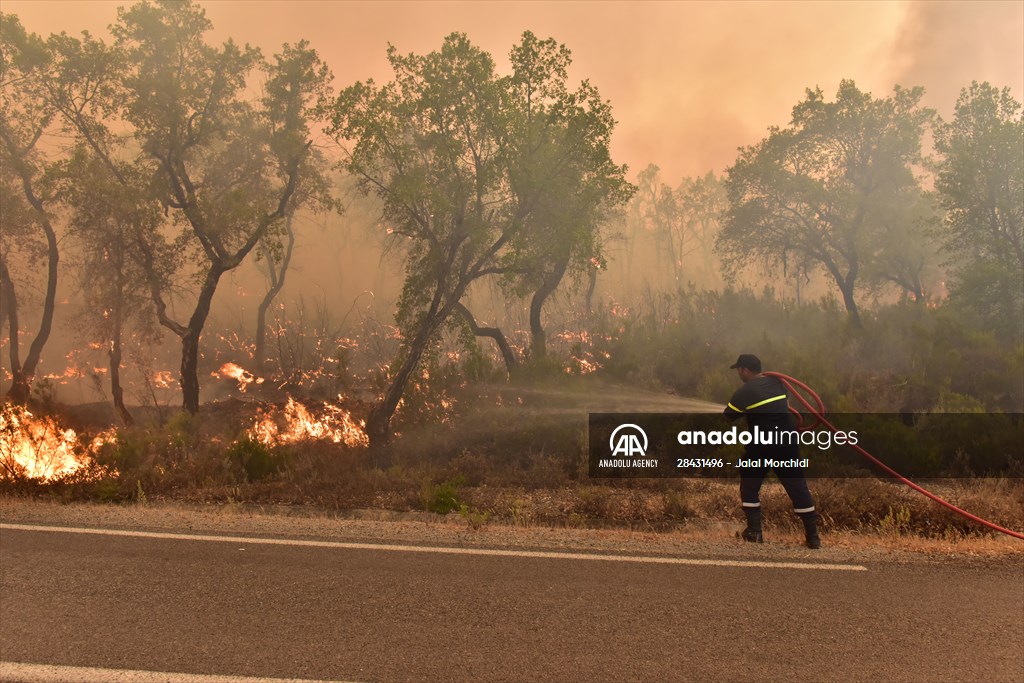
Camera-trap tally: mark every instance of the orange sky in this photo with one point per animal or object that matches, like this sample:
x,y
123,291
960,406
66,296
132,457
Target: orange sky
x,y
689,82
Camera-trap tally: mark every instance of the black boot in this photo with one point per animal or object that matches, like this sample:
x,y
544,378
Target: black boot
x,y
810,520
752,534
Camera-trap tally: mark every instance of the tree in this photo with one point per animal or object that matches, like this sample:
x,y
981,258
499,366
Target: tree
x,y
562,141
313,192
105,197
223,165
826,188
228,168
104,223
908,258
447,147
24,118
683,222
702,201
425,144
657,210
981,186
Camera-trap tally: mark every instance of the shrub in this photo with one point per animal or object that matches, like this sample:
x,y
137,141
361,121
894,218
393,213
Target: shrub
x,y
442,498
257,460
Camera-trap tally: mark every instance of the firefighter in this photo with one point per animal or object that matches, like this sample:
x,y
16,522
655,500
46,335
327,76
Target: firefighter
x,y
763,401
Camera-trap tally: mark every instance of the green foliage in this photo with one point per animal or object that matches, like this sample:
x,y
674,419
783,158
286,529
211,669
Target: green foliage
x,y
829,191
257,460
474,517
154,459
981,185
896,522
479,175
906,358
183,429
107,490
442,498
540,368
906,449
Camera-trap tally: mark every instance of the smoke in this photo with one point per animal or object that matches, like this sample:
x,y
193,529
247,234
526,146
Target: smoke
x,y
689,81
943,46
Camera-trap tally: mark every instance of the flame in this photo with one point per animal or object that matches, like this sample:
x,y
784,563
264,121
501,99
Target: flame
x,y
38,448
237,372
163,379
70,372
296,423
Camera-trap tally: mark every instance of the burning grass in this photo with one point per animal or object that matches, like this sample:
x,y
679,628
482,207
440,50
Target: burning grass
x,y
514,455
38,447
297,423
239,374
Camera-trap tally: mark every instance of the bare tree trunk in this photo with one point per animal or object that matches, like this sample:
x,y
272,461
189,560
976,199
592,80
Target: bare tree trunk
x,y
851,306
259,352
591,286
11,306
190,371
23,376
35,350
190,341
538,339
116,391
378,425
276,284
847,285
494,333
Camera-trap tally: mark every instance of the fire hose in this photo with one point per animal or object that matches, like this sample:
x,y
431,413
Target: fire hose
x,y
818,411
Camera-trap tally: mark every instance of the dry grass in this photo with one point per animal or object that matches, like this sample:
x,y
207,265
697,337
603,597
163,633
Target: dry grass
x,y
530,474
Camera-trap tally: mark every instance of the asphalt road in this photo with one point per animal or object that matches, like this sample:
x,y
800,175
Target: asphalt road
x,y
249,609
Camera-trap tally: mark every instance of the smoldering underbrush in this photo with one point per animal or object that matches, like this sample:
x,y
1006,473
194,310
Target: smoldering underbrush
x,y
505,453
471,441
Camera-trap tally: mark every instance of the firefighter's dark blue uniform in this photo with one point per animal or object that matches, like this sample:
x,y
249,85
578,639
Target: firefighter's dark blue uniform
x,y
763,401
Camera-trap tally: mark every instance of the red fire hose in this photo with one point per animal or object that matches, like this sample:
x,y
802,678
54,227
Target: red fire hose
x,y
818,411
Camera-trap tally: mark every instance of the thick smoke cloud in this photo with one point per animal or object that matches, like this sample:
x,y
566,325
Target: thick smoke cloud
x,y
944,46
689,82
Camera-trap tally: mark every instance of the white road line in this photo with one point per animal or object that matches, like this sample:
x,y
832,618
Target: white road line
x,y
53,673
444,551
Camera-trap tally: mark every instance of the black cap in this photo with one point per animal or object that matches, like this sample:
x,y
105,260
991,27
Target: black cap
x,y
748,361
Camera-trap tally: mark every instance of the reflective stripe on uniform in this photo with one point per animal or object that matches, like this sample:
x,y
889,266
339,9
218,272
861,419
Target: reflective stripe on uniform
x,y
767,400
754,505
800,510
734,408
